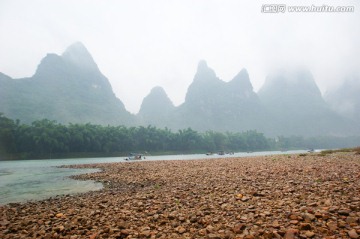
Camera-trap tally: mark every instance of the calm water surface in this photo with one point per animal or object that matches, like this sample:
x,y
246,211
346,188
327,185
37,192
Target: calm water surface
x,y
25,180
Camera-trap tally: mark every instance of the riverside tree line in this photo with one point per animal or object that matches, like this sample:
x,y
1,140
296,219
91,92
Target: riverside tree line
x,y
47,138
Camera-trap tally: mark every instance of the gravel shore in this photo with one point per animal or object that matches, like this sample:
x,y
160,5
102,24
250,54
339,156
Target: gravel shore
x,y
279,196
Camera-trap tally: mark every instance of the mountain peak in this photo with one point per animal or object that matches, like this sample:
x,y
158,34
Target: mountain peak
x,y
68,88
300,80
76,47
78,55
158,90
242,81
202,65
156,107
204,72
292,76
157,98
294,89
51,64
345,100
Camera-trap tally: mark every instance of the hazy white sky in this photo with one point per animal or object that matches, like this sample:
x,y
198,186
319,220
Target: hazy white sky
x,y
140,44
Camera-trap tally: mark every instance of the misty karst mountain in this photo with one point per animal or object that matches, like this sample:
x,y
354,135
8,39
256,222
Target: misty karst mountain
x,y
213,104
296,104
71,89
346,99
66,88
156,108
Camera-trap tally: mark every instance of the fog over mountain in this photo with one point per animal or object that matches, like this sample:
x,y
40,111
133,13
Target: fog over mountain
x,y
67,88
156,108
296,103
141,44
346,98
213,104
71,89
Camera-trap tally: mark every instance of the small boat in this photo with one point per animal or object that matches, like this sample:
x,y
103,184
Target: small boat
x,y
134,156
311,150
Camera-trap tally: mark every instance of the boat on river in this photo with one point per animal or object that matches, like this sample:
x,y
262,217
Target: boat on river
x,y
135,156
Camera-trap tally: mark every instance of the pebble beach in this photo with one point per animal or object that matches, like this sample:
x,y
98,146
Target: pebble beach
x,y
278,196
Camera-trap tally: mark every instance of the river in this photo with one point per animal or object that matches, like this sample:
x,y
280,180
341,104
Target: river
x,y
26,180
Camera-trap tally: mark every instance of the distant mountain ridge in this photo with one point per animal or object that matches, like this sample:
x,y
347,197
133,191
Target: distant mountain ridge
x,y
346,99
70,88
213,104
296,103
156,108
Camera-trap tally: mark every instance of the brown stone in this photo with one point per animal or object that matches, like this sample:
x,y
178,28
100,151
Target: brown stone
x,y
332,226
305,226
181,229
93,236
200,196
309,234
328,202
213,236
275,224
308,217
238,228
249,237
245,199
202,232
344,212
294,222
353,234
125,232
291,234
350,220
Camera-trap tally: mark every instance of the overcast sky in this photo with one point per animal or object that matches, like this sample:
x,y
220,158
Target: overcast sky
x,y
140,44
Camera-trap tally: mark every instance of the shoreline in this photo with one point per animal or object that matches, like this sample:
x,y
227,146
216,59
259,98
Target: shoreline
x,y
81,155
275,196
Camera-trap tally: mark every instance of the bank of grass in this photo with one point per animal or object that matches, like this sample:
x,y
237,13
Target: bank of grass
x,y
356,150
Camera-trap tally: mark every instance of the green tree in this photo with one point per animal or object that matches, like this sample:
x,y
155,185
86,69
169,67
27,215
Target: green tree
x,y
7,130
188,140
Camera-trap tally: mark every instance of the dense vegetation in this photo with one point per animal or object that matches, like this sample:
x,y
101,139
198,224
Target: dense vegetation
x,y
49,139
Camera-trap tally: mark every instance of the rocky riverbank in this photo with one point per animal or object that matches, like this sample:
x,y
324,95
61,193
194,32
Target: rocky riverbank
x,y
288,196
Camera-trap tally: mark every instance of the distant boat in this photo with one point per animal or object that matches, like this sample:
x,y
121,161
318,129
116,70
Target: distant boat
x,y
134,156
311,150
